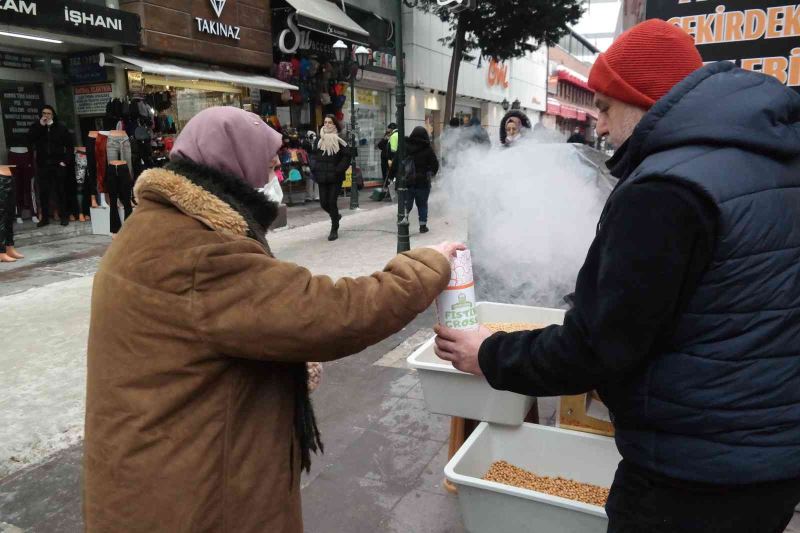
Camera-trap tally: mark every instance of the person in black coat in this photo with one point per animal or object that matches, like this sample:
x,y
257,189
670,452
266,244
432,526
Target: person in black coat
x,y
420,165
577,137
686,314
54,148
329,164
513,127
385,147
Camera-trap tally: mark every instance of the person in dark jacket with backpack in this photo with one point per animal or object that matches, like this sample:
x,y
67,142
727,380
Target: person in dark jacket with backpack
x,y
419,166
687,309
329,165
54,148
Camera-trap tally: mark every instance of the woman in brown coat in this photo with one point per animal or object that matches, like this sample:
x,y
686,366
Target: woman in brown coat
x,y
197,410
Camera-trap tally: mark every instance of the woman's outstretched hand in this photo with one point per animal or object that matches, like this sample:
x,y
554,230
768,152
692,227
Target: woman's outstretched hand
x,y
447,248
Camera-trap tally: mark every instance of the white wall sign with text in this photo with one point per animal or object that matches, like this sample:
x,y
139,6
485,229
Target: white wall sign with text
x,y
92,99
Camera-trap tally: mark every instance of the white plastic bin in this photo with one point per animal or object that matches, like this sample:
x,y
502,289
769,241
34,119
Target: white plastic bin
x,y
489,507
101,219
451,392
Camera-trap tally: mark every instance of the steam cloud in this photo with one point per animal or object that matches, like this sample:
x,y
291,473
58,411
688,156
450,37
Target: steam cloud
x,y
532,208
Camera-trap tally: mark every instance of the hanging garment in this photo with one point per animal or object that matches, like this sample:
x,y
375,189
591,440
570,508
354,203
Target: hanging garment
x,y
119,149
101,160
120,187
22,159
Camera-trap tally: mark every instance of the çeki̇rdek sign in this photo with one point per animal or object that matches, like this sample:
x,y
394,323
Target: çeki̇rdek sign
x,y
215,27
759,35
70,17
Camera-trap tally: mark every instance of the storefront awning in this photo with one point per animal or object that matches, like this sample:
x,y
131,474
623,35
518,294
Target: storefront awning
x,y
324,17
557,108
199,73
572,77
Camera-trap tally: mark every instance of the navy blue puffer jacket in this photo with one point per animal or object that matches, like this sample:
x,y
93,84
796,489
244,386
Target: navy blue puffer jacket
x,y
722,402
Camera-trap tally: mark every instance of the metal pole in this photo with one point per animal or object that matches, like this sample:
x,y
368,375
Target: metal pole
x,y
403,240
354,143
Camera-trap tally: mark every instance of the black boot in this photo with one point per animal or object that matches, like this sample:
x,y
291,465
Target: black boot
x,y
423,228
335,228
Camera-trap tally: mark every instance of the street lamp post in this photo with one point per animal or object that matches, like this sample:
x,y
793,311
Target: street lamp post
x,y
342,52
403,239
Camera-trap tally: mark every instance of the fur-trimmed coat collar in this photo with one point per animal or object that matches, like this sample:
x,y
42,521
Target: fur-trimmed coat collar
x,y
220,201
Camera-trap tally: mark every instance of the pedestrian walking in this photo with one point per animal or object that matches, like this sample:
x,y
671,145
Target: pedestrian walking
x,y
577,137
329,165
514,125
198,415
686,314
386,150
54,152
420,165
475,133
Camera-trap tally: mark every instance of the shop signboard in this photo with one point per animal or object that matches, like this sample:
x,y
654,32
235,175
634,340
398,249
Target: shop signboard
x,y
85,68
92,99
20,104
759,35
217,27
8,60
330,29
292,39
73,18
458,5
497,74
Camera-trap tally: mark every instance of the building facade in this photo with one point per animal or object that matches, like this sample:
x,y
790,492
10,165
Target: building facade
x,y
483,85
570,101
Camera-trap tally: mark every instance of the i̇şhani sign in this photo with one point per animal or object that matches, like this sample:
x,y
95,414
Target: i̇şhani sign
x,y
215,27
759,35
73,18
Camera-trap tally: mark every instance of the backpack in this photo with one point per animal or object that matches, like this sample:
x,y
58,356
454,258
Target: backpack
x,y
408,168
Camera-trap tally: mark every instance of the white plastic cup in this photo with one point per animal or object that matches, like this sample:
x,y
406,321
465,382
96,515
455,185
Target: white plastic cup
x,y
455,307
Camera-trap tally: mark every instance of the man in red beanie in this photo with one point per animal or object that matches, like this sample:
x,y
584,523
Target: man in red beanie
x,y
687,308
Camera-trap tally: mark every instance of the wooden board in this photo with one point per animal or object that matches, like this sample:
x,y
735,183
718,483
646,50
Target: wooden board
x,y
573,416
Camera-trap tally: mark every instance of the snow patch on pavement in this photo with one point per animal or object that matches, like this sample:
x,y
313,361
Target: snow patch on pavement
x,y
42,371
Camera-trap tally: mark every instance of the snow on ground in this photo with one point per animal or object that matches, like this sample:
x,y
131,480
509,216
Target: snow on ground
x,y
42,371
45,330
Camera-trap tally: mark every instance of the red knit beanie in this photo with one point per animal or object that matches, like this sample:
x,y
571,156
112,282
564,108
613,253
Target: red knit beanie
x,y
645,63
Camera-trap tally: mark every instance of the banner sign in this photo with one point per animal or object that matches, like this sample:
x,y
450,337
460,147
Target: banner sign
x,y
12,60
758,35
20,104
85,68
92,99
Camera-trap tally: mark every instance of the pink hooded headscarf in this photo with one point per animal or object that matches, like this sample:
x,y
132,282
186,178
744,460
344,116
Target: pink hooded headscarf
x,y
230,140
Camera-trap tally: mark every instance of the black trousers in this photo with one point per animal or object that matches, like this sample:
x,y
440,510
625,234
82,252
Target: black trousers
x,y
7,205
71,190
119,187
328,199
643,501
53,187
90,185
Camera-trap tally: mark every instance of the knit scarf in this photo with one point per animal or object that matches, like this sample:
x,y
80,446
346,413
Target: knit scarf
x,y
329,140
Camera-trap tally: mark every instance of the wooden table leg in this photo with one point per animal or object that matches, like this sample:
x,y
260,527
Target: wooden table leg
x,y
457,438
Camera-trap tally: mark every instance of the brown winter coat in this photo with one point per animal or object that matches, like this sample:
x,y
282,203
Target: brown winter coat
x,y
189,409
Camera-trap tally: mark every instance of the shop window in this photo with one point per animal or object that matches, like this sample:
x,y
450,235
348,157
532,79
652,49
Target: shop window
x,y
372,115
